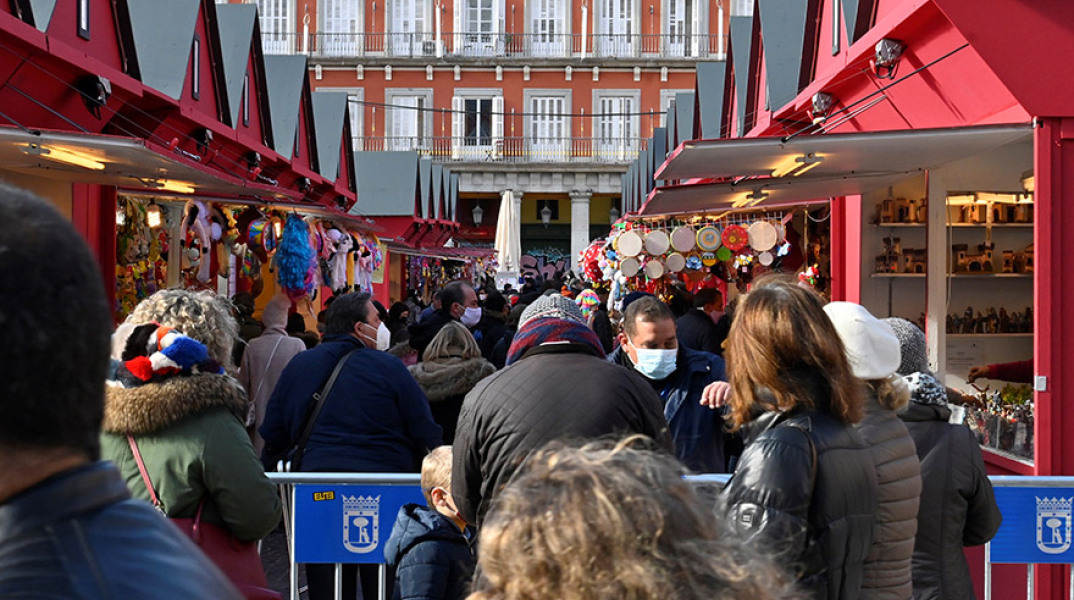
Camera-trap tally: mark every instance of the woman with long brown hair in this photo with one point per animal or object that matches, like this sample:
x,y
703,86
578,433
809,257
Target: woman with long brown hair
x,y
805,487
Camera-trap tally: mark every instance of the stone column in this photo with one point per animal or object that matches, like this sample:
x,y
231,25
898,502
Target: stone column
x,y
579,225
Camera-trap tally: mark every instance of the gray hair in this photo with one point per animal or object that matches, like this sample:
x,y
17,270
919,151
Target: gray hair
x,y
204,316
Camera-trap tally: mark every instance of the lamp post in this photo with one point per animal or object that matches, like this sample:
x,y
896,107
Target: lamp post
x,y
546,215
477,213
613,215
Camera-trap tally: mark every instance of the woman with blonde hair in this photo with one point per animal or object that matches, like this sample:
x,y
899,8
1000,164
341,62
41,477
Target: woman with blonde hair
x,y
174,419
614,520
805,487
451,366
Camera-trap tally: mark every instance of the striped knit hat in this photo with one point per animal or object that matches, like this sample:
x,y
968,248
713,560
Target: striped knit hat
x,y
554,306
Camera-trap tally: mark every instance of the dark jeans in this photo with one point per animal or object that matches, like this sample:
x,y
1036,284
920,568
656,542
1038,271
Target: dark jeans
x,y
321,580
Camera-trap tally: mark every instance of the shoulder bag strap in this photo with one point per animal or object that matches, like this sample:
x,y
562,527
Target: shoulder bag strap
x,y
145,474
315,410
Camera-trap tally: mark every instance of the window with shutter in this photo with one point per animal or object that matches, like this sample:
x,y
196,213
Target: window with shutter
x,y
549,124
340,33
615,27
277,20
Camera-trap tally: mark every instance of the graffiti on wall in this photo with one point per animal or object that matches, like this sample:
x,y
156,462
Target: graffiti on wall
x,y
543,264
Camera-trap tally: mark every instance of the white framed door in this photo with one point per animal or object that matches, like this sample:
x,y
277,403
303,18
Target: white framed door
x,y
615,28
340,33
549,129
409,28
277,21
549,29
680,28
407,122
616,129
480,27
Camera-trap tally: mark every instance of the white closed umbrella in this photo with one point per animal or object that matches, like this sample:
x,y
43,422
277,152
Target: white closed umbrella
x,y
508,242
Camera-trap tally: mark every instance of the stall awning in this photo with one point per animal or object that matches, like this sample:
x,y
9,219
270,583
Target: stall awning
x,y
119,161
812,167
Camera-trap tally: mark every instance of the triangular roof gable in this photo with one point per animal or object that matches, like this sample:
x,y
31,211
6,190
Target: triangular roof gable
x,y
35,12
305,157
284,79
329,118
163,30
684,118
744,51
109,50
859,15
710,100
235,24
425,178
438,193
211,99
453,196
789,31
386,196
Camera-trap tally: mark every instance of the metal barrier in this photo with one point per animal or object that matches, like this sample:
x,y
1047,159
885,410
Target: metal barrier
x,y
1038,518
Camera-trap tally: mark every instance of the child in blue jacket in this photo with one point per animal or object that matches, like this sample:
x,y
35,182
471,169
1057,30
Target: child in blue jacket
x,y
431,547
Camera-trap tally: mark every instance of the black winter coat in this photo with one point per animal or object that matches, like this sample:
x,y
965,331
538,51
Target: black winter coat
x,y
432,559
697,331
561,394
819,522
958,507
423,332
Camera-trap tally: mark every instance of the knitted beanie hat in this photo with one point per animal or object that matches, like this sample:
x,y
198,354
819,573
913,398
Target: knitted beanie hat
x,y
915,358
556,307
155,352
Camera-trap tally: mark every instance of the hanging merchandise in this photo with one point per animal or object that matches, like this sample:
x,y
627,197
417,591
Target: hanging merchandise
x,y
708,238
588,300
195,237
762,236
734,237
683,239
294,259
338,263
141,256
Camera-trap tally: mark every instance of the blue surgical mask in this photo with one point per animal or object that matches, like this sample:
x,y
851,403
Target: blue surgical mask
x,y
655,364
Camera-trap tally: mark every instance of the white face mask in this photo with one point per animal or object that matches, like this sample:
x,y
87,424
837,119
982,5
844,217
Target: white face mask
x,y
471,317
384,337
656,364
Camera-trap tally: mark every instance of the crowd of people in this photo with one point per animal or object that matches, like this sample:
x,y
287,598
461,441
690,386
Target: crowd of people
x,y
551,434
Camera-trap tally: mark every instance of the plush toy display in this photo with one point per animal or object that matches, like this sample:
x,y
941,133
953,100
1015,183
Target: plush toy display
x,y
295,264
338,263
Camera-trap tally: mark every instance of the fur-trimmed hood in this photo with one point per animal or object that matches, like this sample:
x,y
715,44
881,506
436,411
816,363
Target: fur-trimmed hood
x,y
444,378
154,406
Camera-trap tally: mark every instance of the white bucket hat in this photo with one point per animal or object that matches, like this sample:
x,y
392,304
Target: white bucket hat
x,y
872,348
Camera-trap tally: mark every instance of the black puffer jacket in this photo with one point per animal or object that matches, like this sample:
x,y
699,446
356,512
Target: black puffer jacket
x,y
819,522
561,394
958,507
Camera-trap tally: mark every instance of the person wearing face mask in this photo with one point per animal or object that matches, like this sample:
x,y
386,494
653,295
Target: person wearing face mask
x,y
376,419
682,377
458,302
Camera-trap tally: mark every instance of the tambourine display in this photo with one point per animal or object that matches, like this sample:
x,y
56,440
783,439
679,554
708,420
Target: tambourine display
x,y
708,258
629,267
657,243
724,254
734,237
675,262
629,244
262,236
765,258
683,239
708,238
762,236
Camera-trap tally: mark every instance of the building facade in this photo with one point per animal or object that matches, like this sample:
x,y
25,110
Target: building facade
x,y
541,103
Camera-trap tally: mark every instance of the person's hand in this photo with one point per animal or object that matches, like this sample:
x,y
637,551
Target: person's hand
x,y
716,394
977,373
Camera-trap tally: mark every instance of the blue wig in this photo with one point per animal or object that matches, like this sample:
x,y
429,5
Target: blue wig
x,y
294,258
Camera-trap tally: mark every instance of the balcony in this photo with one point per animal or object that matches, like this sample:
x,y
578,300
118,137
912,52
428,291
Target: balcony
x,y
512,149
497,45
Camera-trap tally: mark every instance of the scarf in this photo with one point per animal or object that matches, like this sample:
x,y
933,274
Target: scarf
x,y
549,334
925,389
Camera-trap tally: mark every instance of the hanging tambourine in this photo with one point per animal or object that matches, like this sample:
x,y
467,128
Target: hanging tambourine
x,y
262,238
675,262
708,258
723,254
629,267
765,258
629,244
683,239
657,243
654,269
735,237
693,262
708,238
762,236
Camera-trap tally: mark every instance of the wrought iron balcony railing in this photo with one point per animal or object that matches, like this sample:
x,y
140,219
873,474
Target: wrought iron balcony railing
x,y
512,149
491,45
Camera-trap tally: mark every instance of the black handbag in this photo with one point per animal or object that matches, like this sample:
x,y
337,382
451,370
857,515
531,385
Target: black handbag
x,y
299,449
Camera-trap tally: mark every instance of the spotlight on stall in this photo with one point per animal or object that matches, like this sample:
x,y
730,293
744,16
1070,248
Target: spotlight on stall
x,y
886,60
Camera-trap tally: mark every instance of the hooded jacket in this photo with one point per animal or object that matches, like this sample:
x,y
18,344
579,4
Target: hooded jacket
x,y
887,568
958,506
375,420
815,516
445,382
555,391
701,440
264,360
432,559
423,332
189,431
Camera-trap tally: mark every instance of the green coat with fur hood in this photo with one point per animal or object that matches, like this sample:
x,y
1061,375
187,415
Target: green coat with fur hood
x,y
190,434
